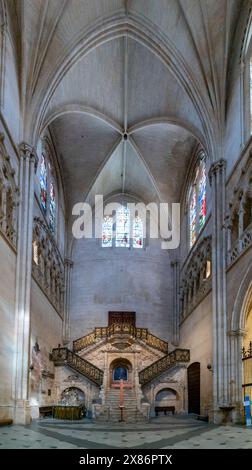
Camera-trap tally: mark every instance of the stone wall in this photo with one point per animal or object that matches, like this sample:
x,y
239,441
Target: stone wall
x,y
7,321
120,279
197,335
66,377
174,379
46,332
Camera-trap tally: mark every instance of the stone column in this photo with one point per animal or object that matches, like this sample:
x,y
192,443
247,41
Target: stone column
x,y
175,268
241,225
106,379
236,373
3,35
229,237
217,176
181,303
23,285
67,297
242,83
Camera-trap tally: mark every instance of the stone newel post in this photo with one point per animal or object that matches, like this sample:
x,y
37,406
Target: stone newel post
x,y
23,285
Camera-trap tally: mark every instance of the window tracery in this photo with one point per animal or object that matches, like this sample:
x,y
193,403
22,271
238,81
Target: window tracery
x,y
47,186
123,224
197,201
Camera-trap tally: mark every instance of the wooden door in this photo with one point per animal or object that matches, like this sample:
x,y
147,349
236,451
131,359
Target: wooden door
x,y
193,378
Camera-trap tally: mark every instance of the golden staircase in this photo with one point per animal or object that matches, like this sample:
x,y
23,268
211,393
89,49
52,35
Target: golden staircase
x,y
63,356
100,333
161,365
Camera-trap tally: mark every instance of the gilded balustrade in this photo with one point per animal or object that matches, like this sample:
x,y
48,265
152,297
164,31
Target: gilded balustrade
x,y
63,356
120,328
161,365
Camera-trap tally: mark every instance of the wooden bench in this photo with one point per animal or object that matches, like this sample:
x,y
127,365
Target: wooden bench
x,y
5,422
164,409
45,411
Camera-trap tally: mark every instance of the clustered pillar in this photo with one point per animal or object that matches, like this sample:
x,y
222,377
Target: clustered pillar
x,y
23,285
66,324
175,302
221,395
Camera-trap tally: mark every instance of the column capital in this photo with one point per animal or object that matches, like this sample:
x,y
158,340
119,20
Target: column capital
x,y
239,332
217,167
68,262
26,151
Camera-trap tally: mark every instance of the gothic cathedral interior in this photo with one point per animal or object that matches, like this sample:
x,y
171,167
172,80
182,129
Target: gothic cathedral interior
x,y
125,212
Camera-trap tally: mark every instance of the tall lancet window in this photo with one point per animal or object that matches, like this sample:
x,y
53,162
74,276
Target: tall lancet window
x,y
52,208
202,194
123,227
43,182
193,216
137,233
47,187
197,201
107,231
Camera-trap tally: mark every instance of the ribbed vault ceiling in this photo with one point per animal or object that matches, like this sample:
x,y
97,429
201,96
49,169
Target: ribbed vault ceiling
x,y
154,70
130,150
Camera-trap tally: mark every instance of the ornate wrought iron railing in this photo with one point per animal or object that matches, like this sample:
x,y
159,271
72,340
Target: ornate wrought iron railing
x,y
161,365
63,356
120,328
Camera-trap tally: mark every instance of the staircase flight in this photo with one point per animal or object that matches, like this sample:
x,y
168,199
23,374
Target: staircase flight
x,y
161,365
63,356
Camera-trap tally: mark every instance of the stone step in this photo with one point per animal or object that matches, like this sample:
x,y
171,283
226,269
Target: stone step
x,y
101,419
117,402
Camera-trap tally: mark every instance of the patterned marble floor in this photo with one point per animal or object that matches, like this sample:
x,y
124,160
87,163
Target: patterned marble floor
x,y
161,433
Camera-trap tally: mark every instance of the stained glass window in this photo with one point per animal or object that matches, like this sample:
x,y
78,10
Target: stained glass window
x,y
197,202
193,216
52,208
123,227
137,233
202,194
107,231
43,182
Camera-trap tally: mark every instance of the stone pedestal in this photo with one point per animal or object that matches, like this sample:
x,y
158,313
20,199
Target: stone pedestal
x,y
22,413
